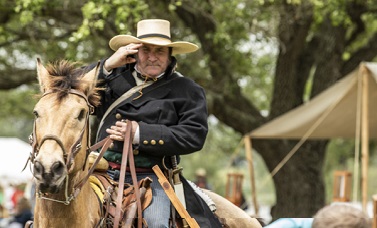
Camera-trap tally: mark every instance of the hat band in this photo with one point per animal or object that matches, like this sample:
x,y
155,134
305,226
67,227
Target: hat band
x,y
154,35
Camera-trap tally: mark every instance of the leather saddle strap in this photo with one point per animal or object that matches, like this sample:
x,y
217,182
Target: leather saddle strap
x,y
127,151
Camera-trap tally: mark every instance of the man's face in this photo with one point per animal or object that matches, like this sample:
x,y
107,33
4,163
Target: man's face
x,y
152,60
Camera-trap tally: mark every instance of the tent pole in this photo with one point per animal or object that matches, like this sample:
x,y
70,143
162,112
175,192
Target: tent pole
x,y
356,168
249,156
365,138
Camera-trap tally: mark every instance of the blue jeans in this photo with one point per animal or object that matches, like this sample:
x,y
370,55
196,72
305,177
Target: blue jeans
x,y
157,214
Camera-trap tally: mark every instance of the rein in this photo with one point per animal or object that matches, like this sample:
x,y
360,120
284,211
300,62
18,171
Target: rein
x,y
127,154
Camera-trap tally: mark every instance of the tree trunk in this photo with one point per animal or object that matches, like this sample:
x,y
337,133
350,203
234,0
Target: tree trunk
x,y
299,184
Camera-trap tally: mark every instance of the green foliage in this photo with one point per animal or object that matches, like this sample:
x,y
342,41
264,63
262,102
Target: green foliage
x,y
97,12
233,26
17,119
174,4
370,22
257,85
28,9
337,10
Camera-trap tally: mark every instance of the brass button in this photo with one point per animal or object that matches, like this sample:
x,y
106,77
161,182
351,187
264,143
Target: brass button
x,y
118,116
145,142
136,152
153,142
161,142
111,146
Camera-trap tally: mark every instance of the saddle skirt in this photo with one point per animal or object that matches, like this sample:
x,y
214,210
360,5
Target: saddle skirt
x,y
107,190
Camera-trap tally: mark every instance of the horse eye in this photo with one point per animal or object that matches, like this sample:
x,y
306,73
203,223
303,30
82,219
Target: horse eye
x,y
35,114
81,114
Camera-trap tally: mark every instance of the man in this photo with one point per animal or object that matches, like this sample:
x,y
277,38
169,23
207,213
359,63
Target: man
x,y
167,111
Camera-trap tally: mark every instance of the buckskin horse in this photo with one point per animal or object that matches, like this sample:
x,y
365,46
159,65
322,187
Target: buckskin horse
x,y
60,142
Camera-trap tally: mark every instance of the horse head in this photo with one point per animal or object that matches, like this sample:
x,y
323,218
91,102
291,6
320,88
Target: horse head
x,y
60,137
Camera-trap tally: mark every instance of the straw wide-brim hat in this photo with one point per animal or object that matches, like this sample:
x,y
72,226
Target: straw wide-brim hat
x,y
155,32
201,172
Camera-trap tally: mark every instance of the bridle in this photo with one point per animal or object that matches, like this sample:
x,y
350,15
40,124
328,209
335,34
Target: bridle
x,y
74,150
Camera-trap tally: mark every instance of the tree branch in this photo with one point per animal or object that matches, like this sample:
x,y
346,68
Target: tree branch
x,y
355,10
366,53
24,77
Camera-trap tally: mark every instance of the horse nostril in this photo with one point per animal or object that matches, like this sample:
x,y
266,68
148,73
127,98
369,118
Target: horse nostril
x,y
57,168
38,168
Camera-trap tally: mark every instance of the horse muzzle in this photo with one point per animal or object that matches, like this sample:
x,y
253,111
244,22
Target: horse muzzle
x,y
49,179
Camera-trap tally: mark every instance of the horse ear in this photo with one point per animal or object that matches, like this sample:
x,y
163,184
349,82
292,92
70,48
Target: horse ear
x,y
91,77
42,75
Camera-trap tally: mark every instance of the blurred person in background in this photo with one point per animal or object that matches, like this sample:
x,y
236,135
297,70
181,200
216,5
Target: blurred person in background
x,y
336,215
22,213
341,215
201,179
18,193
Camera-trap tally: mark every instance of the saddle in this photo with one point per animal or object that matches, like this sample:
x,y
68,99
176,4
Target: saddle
x,y
107,191
120,200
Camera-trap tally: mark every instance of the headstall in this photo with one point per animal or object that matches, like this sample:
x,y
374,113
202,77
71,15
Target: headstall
x,y
75,148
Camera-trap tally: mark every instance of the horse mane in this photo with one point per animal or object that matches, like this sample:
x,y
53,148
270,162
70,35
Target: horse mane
x,y
66,75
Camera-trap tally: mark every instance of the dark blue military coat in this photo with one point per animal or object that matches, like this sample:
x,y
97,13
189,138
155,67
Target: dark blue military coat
x,y
172,114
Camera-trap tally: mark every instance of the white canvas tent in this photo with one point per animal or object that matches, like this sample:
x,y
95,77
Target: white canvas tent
x,y
14,154
346,110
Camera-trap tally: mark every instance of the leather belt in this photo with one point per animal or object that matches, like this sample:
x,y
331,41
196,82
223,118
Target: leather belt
x,y
116,166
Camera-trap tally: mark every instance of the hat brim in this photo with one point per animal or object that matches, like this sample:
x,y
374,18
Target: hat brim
x,y
179,47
